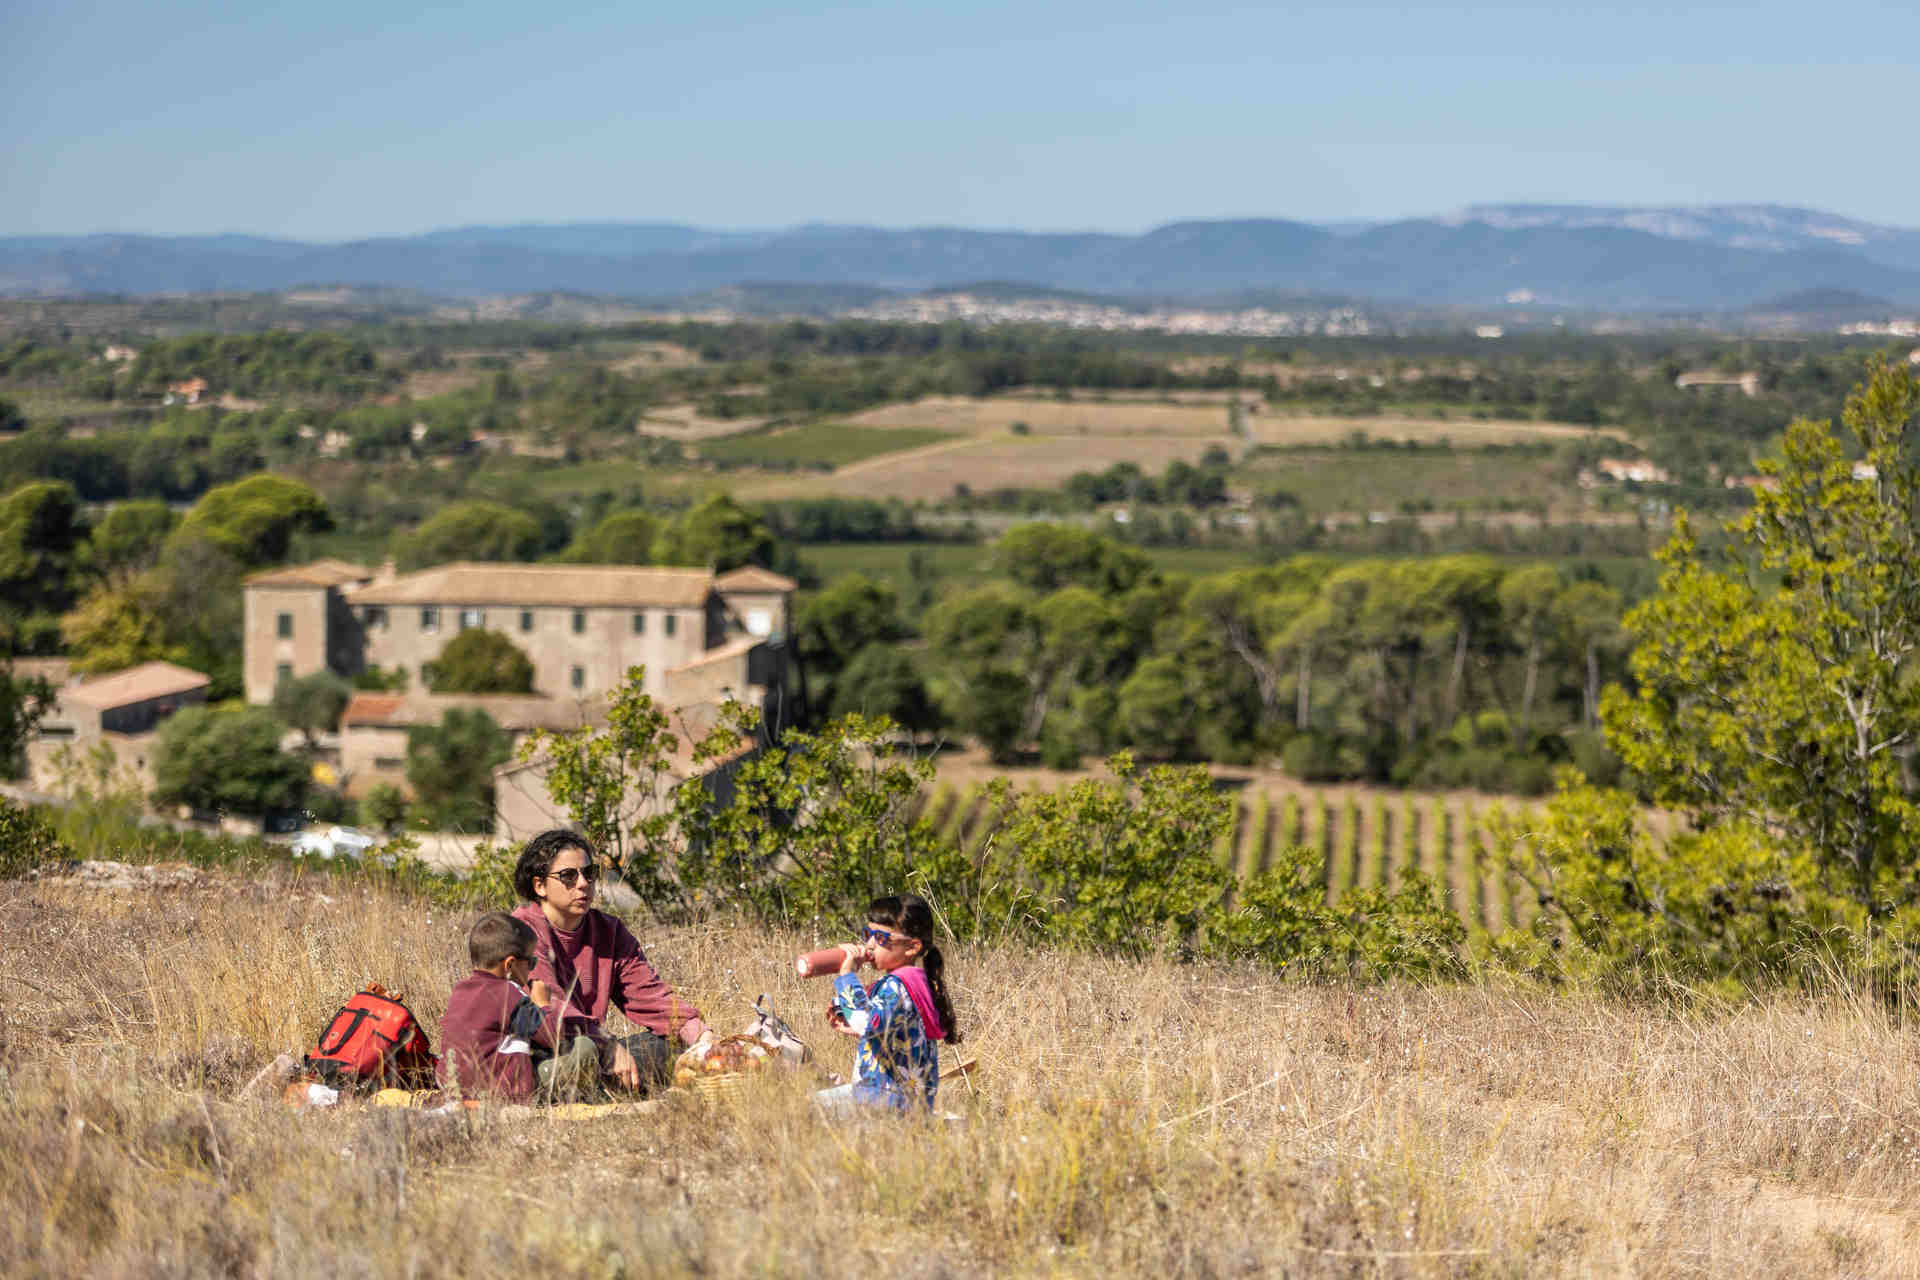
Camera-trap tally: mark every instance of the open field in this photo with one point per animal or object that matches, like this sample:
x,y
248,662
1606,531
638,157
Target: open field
x,y
1063,437
984,464
818,444
1197,414
1346,480
1129,1117
1309,429
1046,415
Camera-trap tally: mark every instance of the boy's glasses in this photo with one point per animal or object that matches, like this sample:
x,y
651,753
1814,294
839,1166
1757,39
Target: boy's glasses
x,y
570,876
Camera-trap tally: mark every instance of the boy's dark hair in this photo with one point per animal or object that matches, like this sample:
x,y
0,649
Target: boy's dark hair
x,y
536,859
497,936
910,914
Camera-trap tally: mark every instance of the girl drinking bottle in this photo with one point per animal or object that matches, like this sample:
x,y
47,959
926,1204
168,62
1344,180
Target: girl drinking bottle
x,y
901,1018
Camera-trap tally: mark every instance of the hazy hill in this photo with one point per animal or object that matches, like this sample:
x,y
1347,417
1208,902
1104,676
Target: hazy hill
x,y
1716,258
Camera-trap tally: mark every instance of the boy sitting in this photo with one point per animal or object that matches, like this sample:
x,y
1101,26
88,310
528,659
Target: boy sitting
x,y
495,1028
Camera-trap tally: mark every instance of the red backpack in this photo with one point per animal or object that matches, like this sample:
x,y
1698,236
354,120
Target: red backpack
x,y
374,1042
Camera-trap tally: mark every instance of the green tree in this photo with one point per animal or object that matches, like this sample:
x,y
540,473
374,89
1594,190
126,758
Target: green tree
x,y
1124,865
129,537
450,768
470,531
479,661
1528,598
23,701
312,703
1156,707
616,781
839,621
226,760
625,537
1793,707
1046,557
719,534
254,520
813,825
41,532
384,807
882,680
115,628
1588,614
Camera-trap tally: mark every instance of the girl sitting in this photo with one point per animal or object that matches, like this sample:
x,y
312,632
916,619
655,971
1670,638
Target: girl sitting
x,y
902,1018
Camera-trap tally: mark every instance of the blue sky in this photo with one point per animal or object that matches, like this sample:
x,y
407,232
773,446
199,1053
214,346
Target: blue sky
x,y
348,119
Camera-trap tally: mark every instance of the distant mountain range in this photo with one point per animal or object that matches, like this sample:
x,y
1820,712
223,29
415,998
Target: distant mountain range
x,y
1707,258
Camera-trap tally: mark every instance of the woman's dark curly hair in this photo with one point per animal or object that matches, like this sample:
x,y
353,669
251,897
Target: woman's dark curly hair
x,y
536,860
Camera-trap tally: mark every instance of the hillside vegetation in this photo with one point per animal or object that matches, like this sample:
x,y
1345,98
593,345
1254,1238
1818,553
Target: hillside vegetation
x,y
1126,1117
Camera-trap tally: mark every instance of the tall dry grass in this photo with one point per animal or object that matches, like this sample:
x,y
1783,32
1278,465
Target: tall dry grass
x,y
1130,1117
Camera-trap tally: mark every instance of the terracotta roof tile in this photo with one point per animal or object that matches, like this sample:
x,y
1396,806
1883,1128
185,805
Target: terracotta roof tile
x,y
586,586
136,684
319,573
514,711
728,652
754,578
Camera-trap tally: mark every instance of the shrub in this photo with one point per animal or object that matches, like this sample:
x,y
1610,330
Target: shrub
x,y
27,841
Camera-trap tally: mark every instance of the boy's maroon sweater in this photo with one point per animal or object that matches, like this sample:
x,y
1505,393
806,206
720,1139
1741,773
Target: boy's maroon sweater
x,y
601,964
478,1026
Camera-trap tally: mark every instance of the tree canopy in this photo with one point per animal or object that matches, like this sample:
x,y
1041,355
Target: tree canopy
x,y
479,661
226,760
255,520
470,531
450,767
719,534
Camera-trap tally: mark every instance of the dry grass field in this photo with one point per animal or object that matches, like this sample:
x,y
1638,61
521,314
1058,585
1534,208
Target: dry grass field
x,y
982,463
1128,1118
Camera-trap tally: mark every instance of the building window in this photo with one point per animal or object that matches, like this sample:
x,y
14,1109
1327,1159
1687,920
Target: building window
x,y
526,619
579,621
673,620
472,618
393,763
374,615
639,624
429,618
579,677
283,625
282,672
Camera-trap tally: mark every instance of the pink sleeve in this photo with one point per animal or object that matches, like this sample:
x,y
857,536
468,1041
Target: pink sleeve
x,y
643,996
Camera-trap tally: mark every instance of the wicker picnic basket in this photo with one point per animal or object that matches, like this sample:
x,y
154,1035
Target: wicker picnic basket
x,y
722,1068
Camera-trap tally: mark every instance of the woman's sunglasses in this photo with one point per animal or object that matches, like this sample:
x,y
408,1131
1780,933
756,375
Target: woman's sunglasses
x,y
570,876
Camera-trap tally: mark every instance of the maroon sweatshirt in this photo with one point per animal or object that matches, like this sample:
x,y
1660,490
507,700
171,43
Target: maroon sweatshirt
x,y
487,1037
601,964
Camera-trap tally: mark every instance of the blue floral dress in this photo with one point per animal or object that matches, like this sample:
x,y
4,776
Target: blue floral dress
x,y
897,1063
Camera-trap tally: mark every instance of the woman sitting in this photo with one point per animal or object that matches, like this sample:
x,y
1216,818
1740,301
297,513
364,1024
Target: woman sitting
x,y
591,960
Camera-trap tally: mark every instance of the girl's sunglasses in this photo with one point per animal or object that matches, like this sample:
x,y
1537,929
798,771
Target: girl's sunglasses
x,y
570,876
883,937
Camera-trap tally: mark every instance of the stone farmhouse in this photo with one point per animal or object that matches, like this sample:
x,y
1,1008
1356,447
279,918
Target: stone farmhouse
x,y
120,713
703,638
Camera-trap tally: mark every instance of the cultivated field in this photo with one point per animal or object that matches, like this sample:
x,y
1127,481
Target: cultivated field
x,y
818,444
1345,480
984,464
1063,437
1366,837
1126,1118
